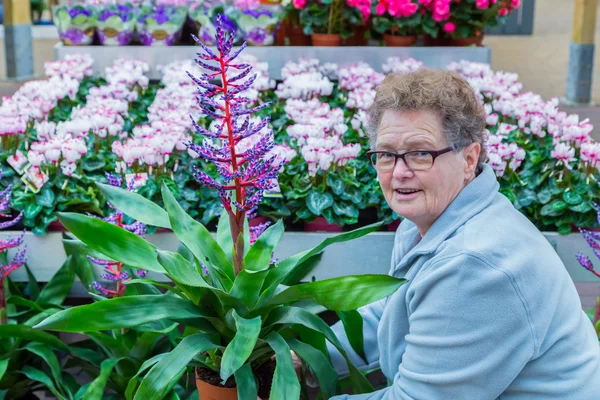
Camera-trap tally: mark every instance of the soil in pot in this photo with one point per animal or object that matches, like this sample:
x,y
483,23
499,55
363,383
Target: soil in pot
x,y
399,41
326,40
209,385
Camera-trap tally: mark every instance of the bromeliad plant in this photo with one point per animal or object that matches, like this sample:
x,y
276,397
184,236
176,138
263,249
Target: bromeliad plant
x,y
592,238
231,297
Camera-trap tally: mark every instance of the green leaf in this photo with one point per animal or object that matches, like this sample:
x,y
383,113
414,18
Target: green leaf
x,y
259,256
326,375
544,196
181,270
526,197
33,287
4,367
45,198
239,349
96,389
336,184
295,315
32,210
342,293
224,235
302,270
155,383
77,246
93,164
317,202
199,241
287,266
48,356
246,384
133,382
38,376
572,198
121,312
115,242
285,380
57,290
135,205
246,286
27,333
353,325
20,301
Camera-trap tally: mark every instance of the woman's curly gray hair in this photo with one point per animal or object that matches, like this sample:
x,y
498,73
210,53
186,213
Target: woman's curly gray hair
x,y
445,93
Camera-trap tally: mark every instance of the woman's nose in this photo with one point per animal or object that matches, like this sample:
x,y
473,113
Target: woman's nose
x,y
401,170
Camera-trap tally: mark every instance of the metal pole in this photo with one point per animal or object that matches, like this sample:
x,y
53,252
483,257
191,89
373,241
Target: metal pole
x,y
18,44
581,54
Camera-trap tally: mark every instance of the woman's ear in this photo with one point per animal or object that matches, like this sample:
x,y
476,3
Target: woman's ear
x,y
471,157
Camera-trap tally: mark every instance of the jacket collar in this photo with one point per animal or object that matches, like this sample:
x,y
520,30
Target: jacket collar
x,y
475,197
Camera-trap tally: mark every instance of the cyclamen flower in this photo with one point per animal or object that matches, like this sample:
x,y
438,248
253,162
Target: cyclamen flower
x,y
363,5
249,173
397,8
564,153
112,269
395,64
305,85
590,153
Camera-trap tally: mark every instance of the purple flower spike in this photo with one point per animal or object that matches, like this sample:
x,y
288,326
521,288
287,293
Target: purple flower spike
x,y
19,259
592,238
114,180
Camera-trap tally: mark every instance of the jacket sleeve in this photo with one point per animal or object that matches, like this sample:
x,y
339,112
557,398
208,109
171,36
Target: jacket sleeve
x,y
371,315
470,333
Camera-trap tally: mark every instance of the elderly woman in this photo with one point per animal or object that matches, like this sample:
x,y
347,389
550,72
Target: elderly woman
x,y
489,310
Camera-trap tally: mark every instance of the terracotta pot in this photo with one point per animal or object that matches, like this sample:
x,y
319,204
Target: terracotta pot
x,y
282,33
298,37
399,41
394,225
462,42
257,221
206,391
326,40
320,224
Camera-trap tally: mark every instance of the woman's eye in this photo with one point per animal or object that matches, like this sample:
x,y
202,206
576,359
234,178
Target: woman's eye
x,y
421,154
386,155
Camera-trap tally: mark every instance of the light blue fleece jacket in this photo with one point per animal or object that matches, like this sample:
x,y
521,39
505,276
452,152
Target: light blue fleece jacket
x,y
489,312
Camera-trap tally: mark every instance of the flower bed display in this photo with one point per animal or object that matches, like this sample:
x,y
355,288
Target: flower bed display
x,y
281,22
545,160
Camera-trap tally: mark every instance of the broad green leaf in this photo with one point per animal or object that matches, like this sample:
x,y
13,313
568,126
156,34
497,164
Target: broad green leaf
x,y
155,383
121,312
181,270
96,389
224,235
133,382
144,344
259,255
135,205
77,246
572,198
353,325
295,315
164,285
240,348
326,374
246,383
27,333
287,266
247,285
3,367
109,344
19,301
199,241
285,380
38,376
115,242
57,290
317,202
342,293
302,270
49,357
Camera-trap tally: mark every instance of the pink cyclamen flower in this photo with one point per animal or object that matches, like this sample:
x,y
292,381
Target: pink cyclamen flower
x,y
482,4
564,153
299,4
503,12
449,27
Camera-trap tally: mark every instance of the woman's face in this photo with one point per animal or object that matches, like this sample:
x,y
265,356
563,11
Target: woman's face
x,y
437,187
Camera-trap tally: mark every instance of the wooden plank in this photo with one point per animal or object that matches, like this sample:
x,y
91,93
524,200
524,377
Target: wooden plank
x,y
17,12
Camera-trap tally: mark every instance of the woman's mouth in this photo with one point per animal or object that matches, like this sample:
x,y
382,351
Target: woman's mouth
x,y
406,194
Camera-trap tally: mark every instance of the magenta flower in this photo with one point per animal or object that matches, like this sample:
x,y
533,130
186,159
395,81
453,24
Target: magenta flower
x,y
248,173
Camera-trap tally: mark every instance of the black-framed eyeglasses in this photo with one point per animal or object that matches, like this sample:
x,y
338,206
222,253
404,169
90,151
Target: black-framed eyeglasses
x,y
416,160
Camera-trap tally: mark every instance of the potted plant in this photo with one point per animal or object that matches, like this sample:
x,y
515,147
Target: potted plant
x,y
160,25
592,239
229,295
399,21
292,25
116,24
329,21
76,24
258,21
205,15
